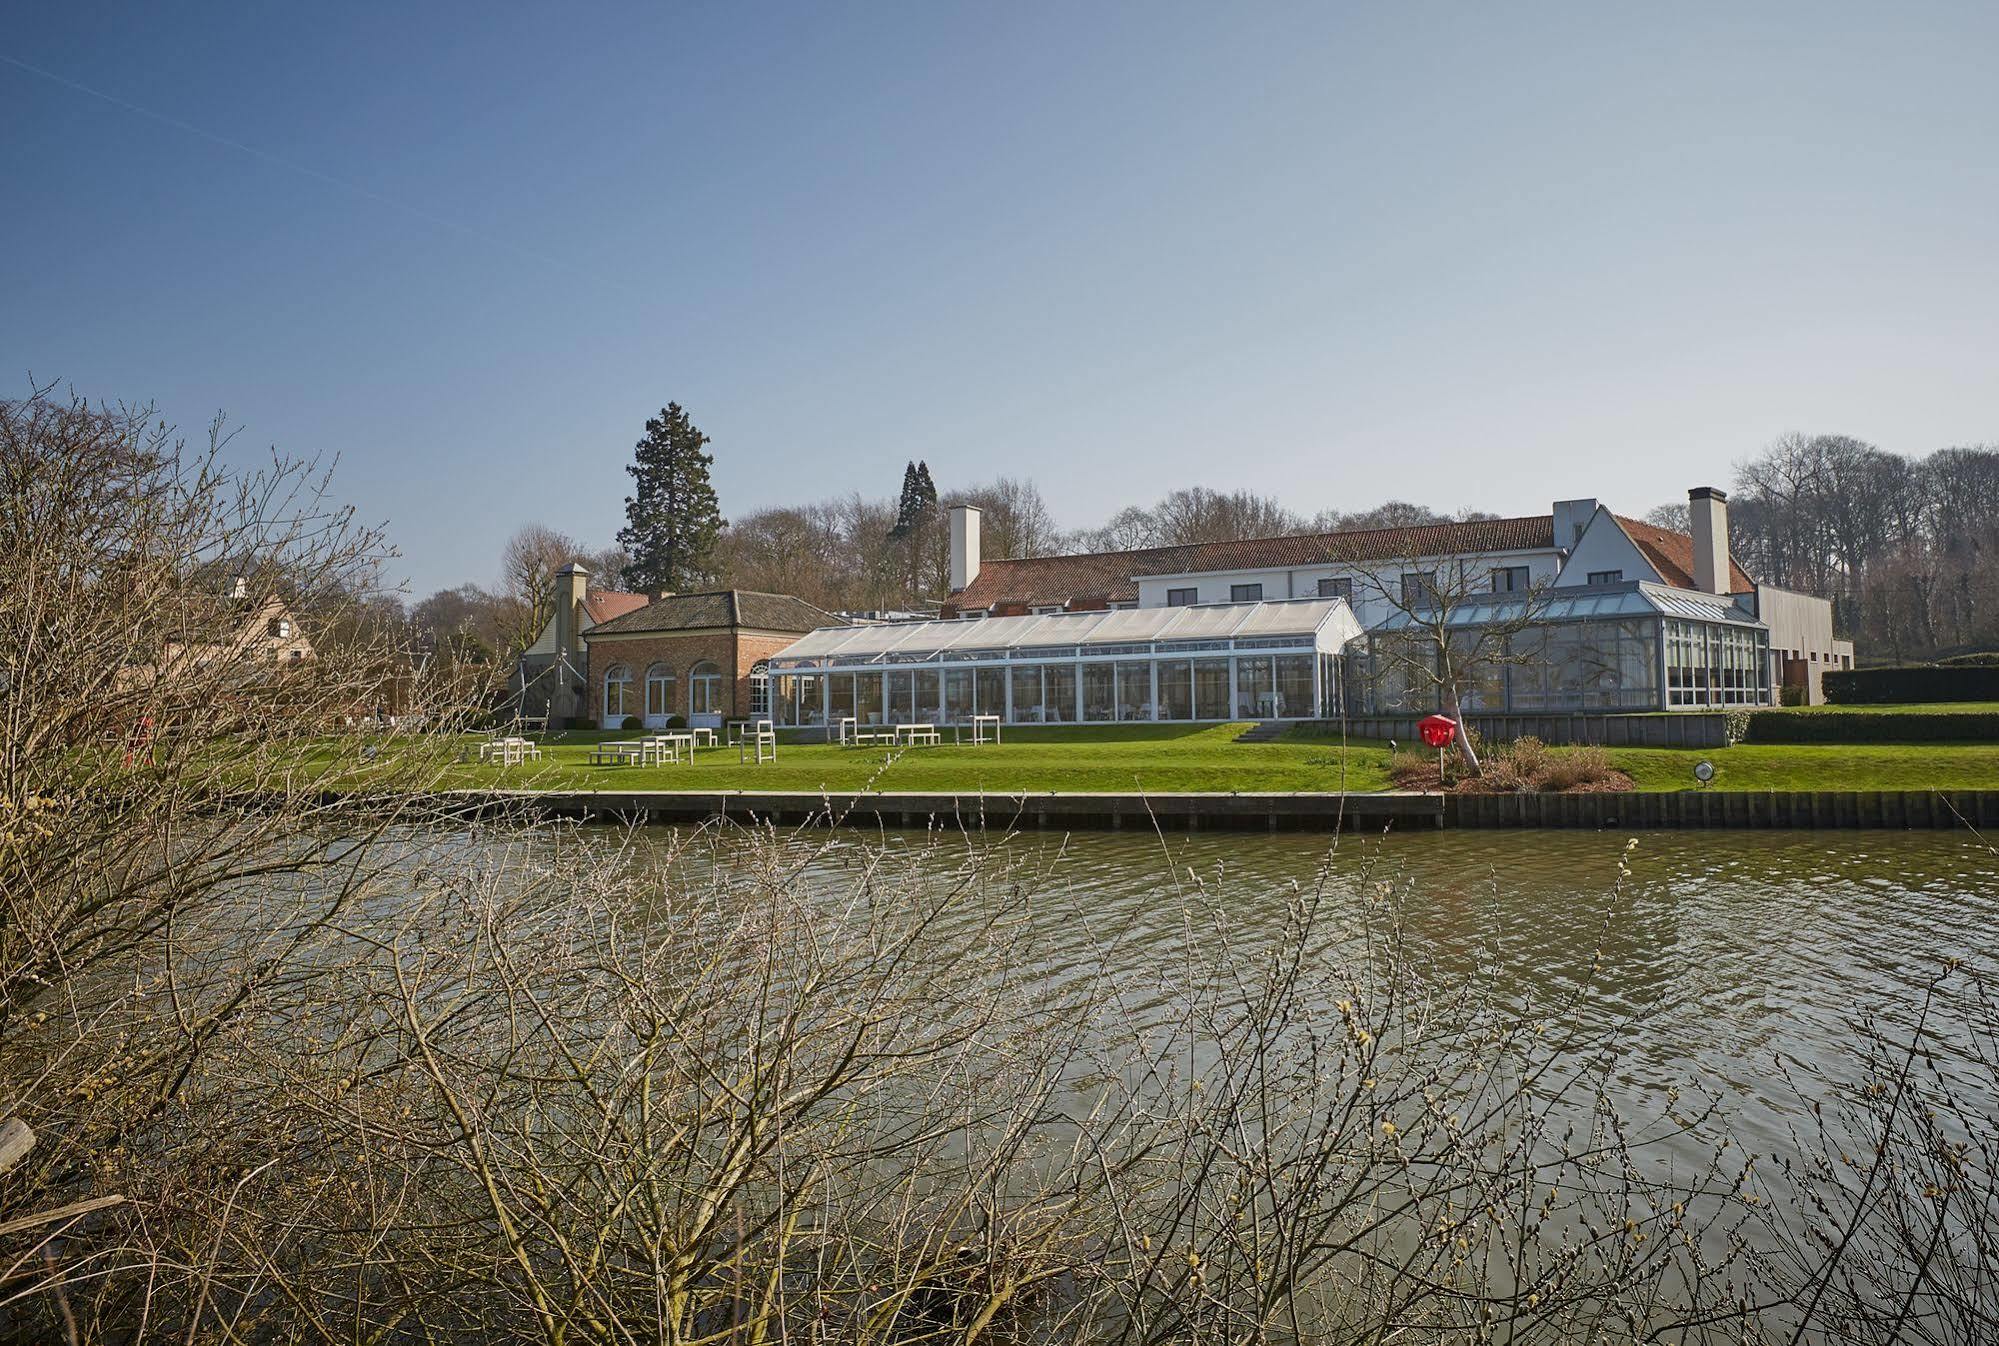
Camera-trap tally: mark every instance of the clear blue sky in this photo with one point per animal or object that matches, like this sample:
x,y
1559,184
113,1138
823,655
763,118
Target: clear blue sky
x,y
1465,254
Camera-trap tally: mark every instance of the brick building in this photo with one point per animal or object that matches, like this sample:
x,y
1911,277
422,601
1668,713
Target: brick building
x,y
695,655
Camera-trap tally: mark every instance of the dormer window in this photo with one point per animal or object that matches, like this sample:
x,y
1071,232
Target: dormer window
x,y
278,628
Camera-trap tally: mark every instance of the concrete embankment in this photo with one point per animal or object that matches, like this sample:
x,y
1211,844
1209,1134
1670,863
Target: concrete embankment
x,y
1277,811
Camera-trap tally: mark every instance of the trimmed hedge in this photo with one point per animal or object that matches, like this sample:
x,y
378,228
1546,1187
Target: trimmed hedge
x,y
1863,726
1903,686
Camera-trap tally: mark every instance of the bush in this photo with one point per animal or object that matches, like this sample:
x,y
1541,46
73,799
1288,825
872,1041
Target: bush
x,y
1902,686
676,722
1789,695
1872,726
1525,766
1577,768
630,723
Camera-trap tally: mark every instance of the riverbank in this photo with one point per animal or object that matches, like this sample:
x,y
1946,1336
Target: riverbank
x,y
1164,759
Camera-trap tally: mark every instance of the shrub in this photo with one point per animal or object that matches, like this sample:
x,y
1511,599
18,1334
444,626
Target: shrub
x,y
1525,766
1901,686
1789,695
1576,768
1873,726
676,722
631,722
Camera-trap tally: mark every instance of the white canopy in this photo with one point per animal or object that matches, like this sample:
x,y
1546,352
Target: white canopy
x,y
1324,624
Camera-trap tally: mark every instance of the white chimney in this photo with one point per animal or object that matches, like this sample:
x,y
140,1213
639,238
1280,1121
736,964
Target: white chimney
x,y
1571,517
1708,509
964,546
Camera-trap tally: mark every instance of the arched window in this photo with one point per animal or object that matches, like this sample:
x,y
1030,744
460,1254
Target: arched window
x,y
760,690
617,694
659,690
704,689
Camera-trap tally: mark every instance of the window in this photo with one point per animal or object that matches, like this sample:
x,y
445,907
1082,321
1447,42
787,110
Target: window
x,y
704,689
617,694
1336,587
1182,598
1045,609
1606,577
1510,579
760,690
659,691
278,628
972,616
1120,607
1418,587
1245,593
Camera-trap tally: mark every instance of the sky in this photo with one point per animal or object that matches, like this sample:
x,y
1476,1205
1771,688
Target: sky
x,y
1471,256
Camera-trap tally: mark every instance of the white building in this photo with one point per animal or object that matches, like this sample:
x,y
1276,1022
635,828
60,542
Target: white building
x,y
1625,616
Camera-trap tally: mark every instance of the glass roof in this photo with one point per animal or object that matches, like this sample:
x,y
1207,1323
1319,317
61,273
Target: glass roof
x,y
1636,599
1325,623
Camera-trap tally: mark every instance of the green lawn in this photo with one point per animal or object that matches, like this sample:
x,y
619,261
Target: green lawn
x,y
1816,766
1166,758
1121,758
1917,708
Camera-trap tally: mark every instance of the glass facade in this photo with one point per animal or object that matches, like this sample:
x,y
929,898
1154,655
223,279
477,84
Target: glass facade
x,y
1246,686
1716,665
1625,664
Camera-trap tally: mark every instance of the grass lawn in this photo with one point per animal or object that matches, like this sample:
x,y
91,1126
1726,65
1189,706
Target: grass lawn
x,y
1918,708
1818,766
1167,758
1120,758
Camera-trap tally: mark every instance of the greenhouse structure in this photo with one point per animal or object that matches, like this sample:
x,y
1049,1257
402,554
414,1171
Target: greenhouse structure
x,y
1628,646
1225,661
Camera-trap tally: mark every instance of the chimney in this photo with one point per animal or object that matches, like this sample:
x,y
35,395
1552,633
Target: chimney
x,y
1571,517
572,585
964,546
1708,509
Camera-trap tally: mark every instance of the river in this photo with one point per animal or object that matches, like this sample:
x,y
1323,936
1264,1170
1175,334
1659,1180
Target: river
x,y
1734,958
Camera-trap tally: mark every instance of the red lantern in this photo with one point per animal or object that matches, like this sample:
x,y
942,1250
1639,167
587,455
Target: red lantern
x,y
1437,730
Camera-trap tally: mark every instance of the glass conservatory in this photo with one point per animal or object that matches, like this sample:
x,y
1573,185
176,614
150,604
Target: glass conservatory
x,y
1626,647
1237,661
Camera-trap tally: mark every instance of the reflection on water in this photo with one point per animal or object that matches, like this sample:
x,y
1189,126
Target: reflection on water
x,y
1725,955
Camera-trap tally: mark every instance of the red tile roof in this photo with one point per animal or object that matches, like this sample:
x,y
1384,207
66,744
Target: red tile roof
x,y
601,605
1110,576
1672,555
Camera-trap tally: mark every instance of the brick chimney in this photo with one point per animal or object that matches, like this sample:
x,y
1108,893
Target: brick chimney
x,y
1708,508
964,546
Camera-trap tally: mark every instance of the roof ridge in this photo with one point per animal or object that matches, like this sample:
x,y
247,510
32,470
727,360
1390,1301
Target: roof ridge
x,y
1268,537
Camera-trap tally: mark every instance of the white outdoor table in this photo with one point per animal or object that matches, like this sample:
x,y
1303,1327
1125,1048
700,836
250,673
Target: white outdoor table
x,y
981,723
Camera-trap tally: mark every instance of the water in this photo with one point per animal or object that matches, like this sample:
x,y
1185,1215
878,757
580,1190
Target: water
x,y
1733,958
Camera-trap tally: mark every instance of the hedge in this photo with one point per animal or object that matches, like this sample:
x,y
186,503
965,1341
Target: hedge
x,y
1873,726
1903,686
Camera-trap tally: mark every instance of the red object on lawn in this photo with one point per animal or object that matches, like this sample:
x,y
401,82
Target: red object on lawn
x,y
1437,730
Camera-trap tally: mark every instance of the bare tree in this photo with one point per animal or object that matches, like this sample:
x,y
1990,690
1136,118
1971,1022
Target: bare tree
x,y
528,563
1454,623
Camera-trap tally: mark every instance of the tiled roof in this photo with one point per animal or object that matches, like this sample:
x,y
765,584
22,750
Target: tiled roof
x,y
721,608
601,605
1109,576
1672,555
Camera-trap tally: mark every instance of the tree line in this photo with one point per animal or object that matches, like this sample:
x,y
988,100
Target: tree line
x,y
1906,548
1903,546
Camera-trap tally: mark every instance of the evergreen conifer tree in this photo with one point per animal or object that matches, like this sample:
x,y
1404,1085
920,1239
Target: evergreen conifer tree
x,y
671,517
